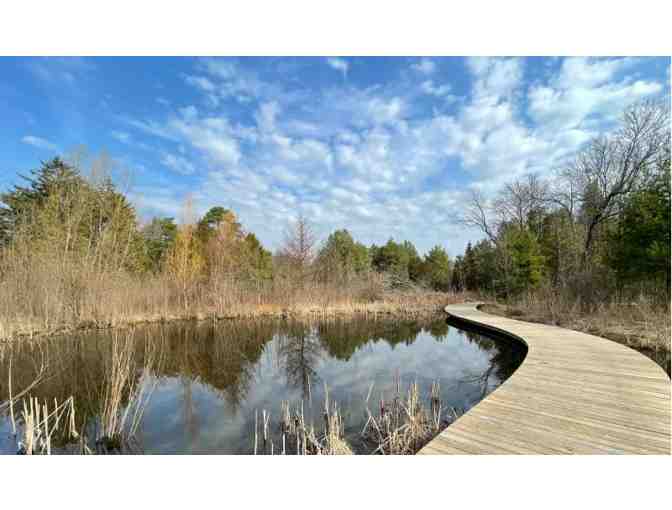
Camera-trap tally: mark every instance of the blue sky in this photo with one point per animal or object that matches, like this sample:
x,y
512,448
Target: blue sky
x,y
386,147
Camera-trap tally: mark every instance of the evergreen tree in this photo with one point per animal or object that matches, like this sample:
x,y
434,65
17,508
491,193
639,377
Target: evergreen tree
x,y
159,237
470,269
342,257
526,261
436,269
486,270
414,260
457,277
259,260
208,225
61,212
399,260
639,246
20,204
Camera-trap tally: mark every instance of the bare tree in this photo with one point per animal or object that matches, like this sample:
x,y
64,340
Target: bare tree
x,y
513,204
489,218
479,213
564,191
299,244
520,198
610,168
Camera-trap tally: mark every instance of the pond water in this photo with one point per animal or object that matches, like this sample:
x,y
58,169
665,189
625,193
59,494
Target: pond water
x,y
208,380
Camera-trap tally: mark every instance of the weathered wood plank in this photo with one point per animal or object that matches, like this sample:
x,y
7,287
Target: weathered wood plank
x,y
573,393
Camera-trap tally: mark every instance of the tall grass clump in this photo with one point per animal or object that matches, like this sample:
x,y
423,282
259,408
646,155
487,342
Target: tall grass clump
x,y
40,423
126,394
298,436
402,425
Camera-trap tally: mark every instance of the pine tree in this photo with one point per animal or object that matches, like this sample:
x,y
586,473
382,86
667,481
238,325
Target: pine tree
x,y
436,269
342,258
159,238
259,260
639,246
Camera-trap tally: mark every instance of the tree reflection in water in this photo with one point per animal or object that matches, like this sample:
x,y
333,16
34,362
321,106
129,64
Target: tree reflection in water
x,y
213,375
506,355
299,352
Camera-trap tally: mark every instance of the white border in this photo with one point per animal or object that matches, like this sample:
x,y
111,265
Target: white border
x,y
346,27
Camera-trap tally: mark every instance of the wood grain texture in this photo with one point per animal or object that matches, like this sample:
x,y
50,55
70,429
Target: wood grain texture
x,y
574,393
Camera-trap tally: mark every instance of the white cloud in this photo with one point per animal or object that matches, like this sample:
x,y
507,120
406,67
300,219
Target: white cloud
x,y
188,112
178,164
205,85
584,88
339,64
424,66
40,143
428,87
581,72
375,160
495,78
266,115
149,127
200,82
154,200
227,79
383,111
217,144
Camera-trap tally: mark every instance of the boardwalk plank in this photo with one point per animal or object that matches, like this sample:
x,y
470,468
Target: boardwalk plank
x,y
573,393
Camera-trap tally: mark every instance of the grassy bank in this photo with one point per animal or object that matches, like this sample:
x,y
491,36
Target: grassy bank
x,y
640,324
53,304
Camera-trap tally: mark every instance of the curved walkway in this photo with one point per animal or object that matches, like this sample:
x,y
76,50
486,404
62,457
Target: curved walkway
x,y
573,393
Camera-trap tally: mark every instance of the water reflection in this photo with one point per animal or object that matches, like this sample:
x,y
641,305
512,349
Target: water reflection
x,y
299,352
211,377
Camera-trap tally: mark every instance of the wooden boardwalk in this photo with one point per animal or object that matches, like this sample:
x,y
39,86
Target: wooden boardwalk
x,y
573,393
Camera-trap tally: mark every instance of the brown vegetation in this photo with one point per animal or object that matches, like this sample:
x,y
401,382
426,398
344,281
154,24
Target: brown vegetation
x,y
73,256
36,302
640,324
401,425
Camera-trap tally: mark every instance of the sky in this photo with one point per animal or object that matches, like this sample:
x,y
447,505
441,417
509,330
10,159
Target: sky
x,y
387,147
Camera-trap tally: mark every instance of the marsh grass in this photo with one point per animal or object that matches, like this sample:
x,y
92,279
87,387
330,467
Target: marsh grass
x,y
40,424
125,389
402,425
126,394
42,298
12,399
298,436
641,323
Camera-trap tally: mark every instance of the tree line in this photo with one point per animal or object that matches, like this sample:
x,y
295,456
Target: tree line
x,y
598,228
84,226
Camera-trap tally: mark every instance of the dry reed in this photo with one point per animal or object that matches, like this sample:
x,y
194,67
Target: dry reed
x,y
402,426
39,424
126,394
44,297
641,323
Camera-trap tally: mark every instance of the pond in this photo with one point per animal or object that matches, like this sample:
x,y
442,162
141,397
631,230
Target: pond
x,y
207,384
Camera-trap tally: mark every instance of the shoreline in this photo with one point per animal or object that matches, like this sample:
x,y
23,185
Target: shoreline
x,y
375,309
